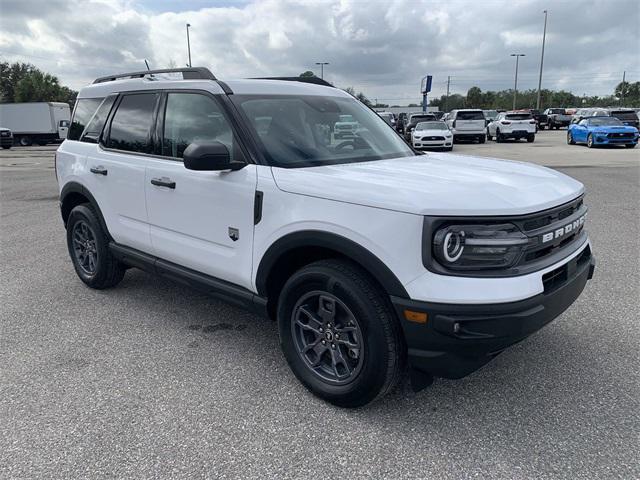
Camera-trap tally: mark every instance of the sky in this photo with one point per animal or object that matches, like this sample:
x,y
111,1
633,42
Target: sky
x,y
382,48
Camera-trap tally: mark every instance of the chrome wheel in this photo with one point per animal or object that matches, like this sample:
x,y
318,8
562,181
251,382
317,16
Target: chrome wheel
x,y
327,337
84,247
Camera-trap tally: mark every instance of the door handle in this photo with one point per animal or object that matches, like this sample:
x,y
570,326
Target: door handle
x,y
163,182
99,170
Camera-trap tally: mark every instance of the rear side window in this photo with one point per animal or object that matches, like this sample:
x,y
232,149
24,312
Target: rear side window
x,y
191,117
94,128
85,108
625,115
470,115
132,123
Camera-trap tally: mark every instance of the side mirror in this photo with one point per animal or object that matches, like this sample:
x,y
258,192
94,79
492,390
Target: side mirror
x,y
212,156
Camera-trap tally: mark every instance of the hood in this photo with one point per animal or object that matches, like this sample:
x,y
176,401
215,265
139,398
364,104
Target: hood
x,y
436,184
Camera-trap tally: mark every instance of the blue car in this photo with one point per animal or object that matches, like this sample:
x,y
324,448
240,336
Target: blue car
x,y
596,131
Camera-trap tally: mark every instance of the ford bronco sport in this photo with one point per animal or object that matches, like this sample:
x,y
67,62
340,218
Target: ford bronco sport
x,y
369,256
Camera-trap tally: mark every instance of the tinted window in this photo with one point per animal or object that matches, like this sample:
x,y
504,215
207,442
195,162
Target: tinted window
x,y
432,126
518,116
193,118
625,115
85,107
94,129
602,121
132,122
478,115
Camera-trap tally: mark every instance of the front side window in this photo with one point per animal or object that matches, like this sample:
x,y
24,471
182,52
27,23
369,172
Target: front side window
x,y
132,123
85,108
301,131
193,118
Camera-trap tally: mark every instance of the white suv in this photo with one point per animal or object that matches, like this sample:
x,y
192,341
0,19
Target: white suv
x,y
514,125
369,256
468,124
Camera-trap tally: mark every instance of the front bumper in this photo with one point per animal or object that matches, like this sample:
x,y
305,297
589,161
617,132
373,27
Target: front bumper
x,y
458,339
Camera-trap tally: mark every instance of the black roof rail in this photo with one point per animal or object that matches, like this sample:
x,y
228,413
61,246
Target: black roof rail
x,y
188,73
314,80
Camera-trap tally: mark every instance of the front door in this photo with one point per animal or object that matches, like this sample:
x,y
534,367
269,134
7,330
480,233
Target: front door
x,y
199,219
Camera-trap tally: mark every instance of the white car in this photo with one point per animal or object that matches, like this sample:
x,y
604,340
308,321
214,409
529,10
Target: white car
x,y
514,125
467,124
432,135
367,256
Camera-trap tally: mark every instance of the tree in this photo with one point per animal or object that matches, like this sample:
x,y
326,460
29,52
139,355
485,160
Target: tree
x,y
474,98
307,74
23,82
628,94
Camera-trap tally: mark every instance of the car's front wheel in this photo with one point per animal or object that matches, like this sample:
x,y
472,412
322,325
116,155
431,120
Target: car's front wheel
x,y
88,246
590,141
631,145
570,139
339,334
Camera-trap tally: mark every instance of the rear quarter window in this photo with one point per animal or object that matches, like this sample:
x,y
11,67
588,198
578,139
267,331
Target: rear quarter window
x,y
85,108
132,123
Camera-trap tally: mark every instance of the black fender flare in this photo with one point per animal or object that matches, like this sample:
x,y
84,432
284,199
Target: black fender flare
x,y
75,187
332,241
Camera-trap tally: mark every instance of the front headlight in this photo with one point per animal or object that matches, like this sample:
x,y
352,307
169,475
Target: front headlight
x,y
478,247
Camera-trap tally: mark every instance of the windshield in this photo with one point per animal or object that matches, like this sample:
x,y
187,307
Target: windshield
x,y
421,118
602,121
490,113
431,126
300,131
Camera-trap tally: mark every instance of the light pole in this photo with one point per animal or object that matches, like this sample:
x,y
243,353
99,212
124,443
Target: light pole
x,y
322,64
544,36
189,44
515,85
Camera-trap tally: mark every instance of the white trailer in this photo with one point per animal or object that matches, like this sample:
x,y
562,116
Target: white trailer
x,y
36,122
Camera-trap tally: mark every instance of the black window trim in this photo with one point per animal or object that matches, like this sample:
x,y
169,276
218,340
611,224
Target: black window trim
x,y
249,154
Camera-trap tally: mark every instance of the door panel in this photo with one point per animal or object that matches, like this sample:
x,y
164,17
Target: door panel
x,y
205,222
191,224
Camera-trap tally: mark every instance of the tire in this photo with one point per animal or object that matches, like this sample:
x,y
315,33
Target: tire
x,y
85,232
489,137
590,141
6,147
570,140
481,139
25,141
630,145
311,297
531,138
499,137
449,149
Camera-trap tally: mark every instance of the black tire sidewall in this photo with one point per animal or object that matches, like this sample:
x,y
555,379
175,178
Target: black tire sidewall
x,y
372,378
84,213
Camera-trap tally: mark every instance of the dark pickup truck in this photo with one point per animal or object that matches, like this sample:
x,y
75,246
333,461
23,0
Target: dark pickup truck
x,y
541,118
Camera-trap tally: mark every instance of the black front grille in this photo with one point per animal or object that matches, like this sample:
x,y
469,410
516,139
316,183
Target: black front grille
x,y
433,139
620,135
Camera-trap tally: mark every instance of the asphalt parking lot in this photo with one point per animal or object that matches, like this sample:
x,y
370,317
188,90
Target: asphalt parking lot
x,y
150,379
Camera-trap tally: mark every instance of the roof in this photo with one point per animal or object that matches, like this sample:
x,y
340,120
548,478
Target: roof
x,y
203,79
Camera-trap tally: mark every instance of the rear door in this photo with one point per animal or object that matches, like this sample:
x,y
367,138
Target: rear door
x,y
117,166
470,121
202,220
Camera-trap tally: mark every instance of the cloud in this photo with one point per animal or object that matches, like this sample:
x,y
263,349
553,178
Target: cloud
x,y
380,47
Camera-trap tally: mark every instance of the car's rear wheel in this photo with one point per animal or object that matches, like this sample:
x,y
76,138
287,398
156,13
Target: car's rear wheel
x,y
499,137
481,139
631,145
339,334
25,141
570,139
590,141
88,246
489,137
6,147
531,138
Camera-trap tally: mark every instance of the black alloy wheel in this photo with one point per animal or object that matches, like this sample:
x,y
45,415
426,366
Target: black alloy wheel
x,y
83,240
327,337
